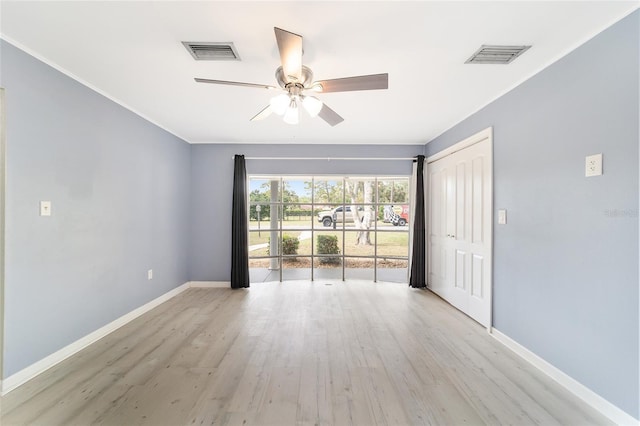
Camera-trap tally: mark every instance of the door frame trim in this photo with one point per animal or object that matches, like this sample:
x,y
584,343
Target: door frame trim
x,y
465,143
3,171
478,137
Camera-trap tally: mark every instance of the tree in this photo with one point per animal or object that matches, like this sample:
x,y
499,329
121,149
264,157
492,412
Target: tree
x,y
288,195
390,191
326,191
261,198
361,190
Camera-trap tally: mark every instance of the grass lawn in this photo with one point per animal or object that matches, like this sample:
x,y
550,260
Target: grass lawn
x,y
303,222
262,237
306,223
389,243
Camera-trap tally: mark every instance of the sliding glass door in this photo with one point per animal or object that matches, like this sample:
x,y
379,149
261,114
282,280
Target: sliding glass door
x,y
328,227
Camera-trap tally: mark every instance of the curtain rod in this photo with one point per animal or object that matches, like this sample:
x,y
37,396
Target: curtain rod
x,y
331,158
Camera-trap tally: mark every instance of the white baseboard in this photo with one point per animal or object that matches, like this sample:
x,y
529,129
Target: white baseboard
x,y
210,284
581,391
22,376
26,374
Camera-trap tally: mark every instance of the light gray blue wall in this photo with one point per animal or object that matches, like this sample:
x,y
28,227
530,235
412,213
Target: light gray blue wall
x,y
128,197
120,192
212,182
566,264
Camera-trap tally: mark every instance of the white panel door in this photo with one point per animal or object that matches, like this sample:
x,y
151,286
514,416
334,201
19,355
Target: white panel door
x,y
437,230
479,238
459,229
441,259
457,238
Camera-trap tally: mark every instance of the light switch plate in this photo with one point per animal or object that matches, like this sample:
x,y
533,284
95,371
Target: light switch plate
x,y
150,274
502,217
593,165
45,208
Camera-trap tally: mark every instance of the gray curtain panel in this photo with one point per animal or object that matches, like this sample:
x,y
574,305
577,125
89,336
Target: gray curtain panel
x,y
239,231
417,278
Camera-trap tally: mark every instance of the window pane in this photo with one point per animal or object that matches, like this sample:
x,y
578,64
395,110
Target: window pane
x,y
327,191
262,273
333,217
385,215
328,247
393,191
365,217
267,267
296,268
323,216
296,190
342,217
385,191
265,216
296,242
259,243
358,268
395,215
297,216
359,243
401,191
359,190
327,271
328,251
393,244
392,270
261,190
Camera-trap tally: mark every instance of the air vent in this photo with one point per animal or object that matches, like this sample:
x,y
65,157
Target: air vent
x,y
488,54
209,51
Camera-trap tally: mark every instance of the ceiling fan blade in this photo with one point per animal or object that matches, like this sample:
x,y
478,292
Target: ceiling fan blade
x,y
234,83
361,82
330,116
262,114
290,47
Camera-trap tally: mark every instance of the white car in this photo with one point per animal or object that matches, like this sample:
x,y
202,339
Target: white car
x,y
328,216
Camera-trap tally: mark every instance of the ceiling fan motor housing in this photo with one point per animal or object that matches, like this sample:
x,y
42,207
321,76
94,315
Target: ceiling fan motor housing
x,y
306,78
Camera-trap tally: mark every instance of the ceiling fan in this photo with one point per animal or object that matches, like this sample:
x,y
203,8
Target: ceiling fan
x,y
295,79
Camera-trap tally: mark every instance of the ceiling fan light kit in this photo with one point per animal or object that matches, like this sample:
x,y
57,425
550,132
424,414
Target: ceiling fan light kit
x,y
295,78
292,115
312,104
279,103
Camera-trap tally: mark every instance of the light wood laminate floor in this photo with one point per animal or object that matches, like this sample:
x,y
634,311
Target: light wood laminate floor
x,y
297,353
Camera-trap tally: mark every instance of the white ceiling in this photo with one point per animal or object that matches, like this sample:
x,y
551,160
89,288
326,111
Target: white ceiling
x,y
132,53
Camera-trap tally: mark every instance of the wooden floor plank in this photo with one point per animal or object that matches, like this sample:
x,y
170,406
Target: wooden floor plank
x,y
306,353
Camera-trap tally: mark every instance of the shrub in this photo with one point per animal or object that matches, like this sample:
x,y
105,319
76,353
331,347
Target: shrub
x,y
290,213
289,245
328,244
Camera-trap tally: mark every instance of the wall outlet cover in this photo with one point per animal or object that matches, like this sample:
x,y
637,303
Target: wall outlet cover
x,y
593,165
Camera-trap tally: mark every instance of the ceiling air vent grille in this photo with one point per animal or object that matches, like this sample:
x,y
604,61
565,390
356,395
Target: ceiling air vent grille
x,y
209,51
490,54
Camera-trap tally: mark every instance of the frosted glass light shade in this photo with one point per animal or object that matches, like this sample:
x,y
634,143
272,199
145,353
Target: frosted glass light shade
x,y
279,103
291,116
313,105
